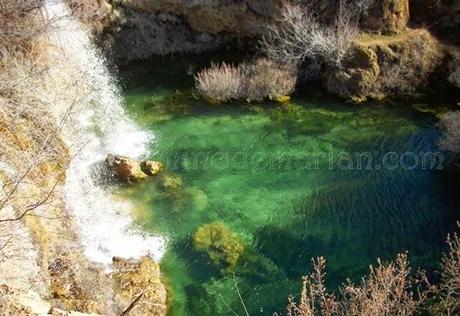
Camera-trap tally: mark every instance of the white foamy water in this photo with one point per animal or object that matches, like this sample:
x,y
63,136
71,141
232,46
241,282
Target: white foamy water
x,y
97,126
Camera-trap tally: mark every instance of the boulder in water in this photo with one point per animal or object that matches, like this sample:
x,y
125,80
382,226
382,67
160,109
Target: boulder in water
x,y
150,167
131,170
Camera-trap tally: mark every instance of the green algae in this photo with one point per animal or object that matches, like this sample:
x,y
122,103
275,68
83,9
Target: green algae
x,y
223,246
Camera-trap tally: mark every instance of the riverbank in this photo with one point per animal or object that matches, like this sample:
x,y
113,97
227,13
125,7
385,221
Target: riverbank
x,y
61,252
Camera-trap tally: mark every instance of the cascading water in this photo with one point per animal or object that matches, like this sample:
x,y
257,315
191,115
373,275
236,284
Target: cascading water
x,y
80,81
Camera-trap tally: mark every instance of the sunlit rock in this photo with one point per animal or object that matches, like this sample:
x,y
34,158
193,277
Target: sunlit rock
x,y
150,167
131,170
139,285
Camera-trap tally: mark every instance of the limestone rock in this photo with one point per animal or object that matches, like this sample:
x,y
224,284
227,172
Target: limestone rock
x,y
386,66
150,167
139,286
387,16
131,170
27,303
243,18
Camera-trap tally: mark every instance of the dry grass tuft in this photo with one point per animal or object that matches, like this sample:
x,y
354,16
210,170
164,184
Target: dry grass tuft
x,y
220,82
248,81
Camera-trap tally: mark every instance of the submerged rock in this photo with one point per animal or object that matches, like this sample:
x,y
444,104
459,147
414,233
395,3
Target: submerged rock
x,y
170,183
131,170
150,167
223,246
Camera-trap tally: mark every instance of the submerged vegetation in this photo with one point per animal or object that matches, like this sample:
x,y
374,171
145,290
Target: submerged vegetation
x,y
222,245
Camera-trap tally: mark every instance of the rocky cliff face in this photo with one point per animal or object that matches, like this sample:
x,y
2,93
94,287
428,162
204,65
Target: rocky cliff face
x,y
380,66
387,16
138,29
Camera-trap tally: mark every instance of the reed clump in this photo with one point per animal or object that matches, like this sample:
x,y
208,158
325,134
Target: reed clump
x,y
254,81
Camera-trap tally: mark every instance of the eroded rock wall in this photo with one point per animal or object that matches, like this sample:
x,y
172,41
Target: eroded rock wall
x,y
380,66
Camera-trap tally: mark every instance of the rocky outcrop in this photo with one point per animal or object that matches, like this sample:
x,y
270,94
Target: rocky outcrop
x,y
140,290
242,18
137,29
130,170
382,66
387,17
20,302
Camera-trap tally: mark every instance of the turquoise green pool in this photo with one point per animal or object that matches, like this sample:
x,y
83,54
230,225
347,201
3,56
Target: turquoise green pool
x,y
315,177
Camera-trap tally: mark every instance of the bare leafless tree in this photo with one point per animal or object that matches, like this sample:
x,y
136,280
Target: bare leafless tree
x,y
449,288
298,34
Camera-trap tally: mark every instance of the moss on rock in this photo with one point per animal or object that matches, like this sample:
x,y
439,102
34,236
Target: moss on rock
x,y
223,246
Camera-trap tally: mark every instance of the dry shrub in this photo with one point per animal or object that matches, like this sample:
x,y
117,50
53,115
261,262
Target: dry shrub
x,y
450,124
298,34
314,299
387,290
265,78
20,23
32,153
413,66
89,11
220,82
449,288
248,81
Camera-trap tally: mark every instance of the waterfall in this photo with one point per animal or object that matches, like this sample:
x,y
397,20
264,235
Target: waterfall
x,y
83,89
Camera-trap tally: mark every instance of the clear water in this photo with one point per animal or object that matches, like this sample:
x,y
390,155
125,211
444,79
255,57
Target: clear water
x,y
279,178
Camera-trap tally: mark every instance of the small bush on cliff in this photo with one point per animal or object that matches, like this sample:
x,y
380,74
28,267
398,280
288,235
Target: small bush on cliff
x,y
299,35
222,246
417,59
255,81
